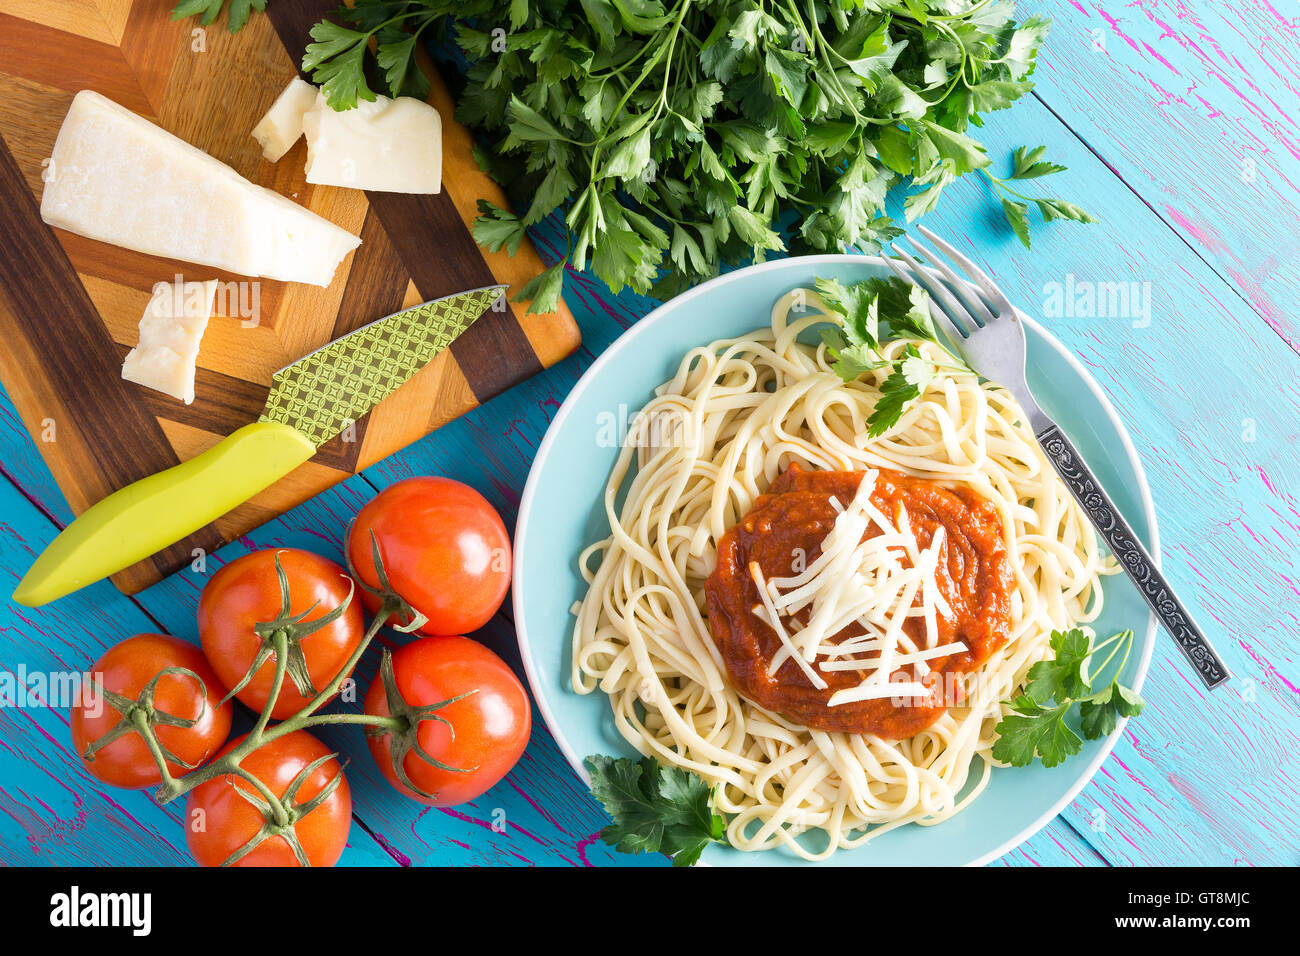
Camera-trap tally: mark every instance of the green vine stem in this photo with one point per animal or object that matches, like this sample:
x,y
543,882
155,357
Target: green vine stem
x,y
279,637
174,787
280,640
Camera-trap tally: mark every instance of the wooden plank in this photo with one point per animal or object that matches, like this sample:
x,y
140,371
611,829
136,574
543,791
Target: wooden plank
x,y
1219,82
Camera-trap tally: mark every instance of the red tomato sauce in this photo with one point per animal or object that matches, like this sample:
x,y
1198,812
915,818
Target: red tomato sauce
x,y
787,525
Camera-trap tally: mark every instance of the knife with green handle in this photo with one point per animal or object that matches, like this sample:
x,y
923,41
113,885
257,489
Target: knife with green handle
x,y
311,401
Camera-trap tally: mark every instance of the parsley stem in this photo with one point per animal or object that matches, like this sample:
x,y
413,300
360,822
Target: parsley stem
x,y
1000,185
964,15
1106,663
682,7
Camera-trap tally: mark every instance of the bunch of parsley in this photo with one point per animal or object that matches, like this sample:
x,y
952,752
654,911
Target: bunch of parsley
x,y
680,136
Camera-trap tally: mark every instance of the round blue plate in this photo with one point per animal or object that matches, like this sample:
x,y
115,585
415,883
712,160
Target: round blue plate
x,y
561,513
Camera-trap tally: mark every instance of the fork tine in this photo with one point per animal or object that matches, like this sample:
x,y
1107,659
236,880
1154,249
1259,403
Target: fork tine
x,y
986,284
954,330
957,314
960,287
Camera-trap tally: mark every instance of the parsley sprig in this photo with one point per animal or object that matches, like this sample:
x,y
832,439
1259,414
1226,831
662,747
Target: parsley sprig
x,y
655,809
864,309
1029,164
1060,689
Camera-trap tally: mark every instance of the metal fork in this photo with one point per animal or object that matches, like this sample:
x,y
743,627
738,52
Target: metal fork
x,y
987,333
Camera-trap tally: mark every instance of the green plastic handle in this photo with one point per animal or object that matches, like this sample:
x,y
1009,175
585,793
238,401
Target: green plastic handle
x,y
145,517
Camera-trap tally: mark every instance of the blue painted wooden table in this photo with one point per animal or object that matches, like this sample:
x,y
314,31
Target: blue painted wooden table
x,y
1180,122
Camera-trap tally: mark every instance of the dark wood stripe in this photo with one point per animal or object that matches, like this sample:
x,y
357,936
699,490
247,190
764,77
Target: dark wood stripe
x,y
442,257
218,400
436,247
377,280
53,314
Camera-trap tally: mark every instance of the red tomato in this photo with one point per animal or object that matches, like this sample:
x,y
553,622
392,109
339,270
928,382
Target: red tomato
x,y
444,548
246,593
219,819
489,728
125,669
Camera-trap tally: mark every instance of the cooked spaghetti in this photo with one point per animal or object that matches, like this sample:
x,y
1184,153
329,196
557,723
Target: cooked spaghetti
x,y
947,548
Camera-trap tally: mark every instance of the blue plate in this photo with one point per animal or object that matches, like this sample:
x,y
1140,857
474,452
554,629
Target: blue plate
x,y
561,513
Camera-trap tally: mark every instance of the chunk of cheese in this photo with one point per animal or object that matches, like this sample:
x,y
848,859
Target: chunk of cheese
x,y
170,332
280,128
116,177
388,146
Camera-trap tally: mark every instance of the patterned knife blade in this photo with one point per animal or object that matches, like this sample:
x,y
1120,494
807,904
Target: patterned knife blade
x,y
324,392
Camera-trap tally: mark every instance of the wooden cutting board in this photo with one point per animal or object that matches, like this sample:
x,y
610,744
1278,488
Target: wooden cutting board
x,y
69,306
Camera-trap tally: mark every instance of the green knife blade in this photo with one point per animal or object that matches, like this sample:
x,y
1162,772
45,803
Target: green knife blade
x,y
311,401
324,392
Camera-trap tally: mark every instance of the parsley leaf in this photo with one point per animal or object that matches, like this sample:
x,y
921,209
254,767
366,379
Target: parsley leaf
x,y
1035,729
1029,164
395,54
336,61
858,307
1038,725
1060,209
207,11
1017,214
543,290
861,309
496,229
1099,714
998,94
1064,675
655,809
905,383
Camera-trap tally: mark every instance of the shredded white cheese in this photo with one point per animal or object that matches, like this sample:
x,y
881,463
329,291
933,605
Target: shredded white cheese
x,y
878,583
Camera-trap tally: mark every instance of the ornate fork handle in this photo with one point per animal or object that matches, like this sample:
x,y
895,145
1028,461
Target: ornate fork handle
x,y
1134,558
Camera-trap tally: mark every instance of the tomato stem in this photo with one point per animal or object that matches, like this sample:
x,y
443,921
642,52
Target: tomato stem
x,y
280,638
175,787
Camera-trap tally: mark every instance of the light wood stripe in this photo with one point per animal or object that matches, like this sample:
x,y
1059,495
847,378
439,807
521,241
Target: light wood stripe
x,y
82,18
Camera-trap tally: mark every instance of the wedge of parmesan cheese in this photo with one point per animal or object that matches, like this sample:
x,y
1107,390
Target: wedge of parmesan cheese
x,y
390,145
118,178
170,332
280,128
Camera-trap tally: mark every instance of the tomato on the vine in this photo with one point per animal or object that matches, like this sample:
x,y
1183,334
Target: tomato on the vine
x,y
242,607
223,814
478,734
444,549
125,670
